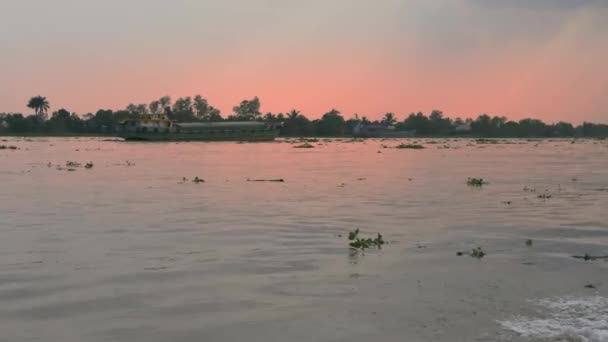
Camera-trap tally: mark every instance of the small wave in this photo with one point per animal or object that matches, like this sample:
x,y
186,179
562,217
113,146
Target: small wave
x,y
569,319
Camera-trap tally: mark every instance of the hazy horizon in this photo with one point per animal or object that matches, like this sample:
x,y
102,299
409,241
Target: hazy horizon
x,y
543,59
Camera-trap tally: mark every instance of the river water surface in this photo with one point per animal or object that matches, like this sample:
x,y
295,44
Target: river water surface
x,y
128,251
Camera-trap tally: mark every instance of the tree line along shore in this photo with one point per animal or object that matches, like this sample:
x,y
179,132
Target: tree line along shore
x,y
197,109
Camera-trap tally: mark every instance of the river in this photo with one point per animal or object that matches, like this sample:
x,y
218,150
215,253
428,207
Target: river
x,y
129,250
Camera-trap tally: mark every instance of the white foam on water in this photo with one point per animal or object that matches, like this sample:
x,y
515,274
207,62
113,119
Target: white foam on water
x,y
569,319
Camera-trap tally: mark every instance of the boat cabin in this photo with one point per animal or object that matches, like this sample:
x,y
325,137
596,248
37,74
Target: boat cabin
x,y
149,123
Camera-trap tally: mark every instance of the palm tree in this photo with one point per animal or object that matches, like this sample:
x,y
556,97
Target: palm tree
x,y
269,117
39,104
389,119
293,114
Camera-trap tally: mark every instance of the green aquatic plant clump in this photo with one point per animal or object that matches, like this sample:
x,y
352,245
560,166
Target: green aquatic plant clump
x,y
476,182
8,147
359,243
474,253
410,146
279,180
477,253
72,164
305,145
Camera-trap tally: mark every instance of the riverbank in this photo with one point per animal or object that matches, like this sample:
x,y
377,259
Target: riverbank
x,y
472,137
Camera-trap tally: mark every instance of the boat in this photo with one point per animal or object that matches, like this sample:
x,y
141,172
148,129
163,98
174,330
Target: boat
x,y
158,127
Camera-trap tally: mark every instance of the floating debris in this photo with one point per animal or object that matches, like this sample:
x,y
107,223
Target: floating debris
x,y
529,189
475,253
72,164
487,141
197,180
544,196
507,202
528,242
588,257
127,163
476,182
8,147
88,165
410,146
590,286
305,145
363,244
280,180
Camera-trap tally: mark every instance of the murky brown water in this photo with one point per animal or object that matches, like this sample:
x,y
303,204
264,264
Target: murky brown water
x,y
127,253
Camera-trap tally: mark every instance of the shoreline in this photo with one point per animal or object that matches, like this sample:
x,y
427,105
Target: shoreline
x,y
112,135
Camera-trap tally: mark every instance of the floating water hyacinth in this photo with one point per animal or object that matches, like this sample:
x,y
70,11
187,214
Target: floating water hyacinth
x,y
476,182
72,164
10,147
358,243
305,145
279,180
410,146
475,253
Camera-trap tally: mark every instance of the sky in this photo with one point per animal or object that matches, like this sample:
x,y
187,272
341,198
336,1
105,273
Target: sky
x,y
518,58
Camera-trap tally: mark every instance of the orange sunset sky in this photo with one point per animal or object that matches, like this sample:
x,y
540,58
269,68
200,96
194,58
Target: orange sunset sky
x,y
543,58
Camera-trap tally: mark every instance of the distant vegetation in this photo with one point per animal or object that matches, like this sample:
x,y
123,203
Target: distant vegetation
x,y
332,123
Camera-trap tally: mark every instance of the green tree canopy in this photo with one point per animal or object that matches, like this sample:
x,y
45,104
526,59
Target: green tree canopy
x,y
248,109
331,124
